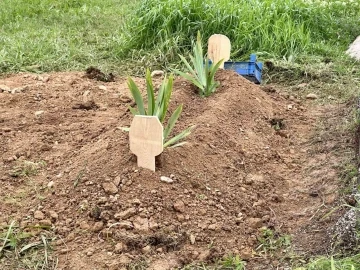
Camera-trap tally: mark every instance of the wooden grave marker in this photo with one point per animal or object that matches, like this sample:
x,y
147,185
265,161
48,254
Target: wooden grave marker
x,y
219,47
146,140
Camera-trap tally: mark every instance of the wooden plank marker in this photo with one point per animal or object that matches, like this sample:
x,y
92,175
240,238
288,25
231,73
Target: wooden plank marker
x,y
146,140
219,47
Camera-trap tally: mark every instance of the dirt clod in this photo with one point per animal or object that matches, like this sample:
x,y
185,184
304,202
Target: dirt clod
x,y
179,206
39,215
95,73
110,188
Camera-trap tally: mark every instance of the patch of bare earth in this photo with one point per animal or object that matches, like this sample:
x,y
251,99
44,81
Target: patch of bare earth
x,y
236,175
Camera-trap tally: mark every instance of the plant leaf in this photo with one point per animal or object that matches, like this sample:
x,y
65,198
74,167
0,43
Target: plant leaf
x,y
179,137
133,111
28,246
135,92
171,123
189,78
150,93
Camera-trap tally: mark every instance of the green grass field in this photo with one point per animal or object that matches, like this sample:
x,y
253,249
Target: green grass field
x,y
126,36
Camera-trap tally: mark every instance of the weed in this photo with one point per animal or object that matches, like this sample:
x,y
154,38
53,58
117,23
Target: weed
x,y
21,250
233,262
158,107
271,242
25,168
331,263
202,72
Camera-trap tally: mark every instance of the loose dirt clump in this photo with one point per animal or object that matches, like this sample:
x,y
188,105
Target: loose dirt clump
x,y
234,177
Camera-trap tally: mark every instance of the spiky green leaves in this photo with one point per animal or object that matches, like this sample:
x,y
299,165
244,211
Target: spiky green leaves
x,y
202,73
158,107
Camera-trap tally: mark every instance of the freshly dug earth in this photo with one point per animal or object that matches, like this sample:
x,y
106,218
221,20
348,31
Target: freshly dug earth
x,y
246,166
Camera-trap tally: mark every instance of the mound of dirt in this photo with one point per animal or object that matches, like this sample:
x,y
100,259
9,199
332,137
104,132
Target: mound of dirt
x,y
226,180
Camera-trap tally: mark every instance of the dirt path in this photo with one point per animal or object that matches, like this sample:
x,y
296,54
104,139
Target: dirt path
x,y
237,175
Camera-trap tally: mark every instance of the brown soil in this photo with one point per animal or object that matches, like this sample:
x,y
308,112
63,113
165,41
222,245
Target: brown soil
x,y
235,175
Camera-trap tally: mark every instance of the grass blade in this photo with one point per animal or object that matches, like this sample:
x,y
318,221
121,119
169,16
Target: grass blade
x,y
7,235
29,246
43,238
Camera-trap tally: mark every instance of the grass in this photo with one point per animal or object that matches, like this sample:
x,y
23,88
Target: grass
x,y
24,250
331,263
272,28
126,36
26,168
49,35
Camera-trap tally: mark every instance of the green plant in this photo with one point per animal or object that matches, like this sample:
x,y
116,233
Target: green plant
x,y
331,263
26,168
158,107
271,242
16,248
233,262
202,72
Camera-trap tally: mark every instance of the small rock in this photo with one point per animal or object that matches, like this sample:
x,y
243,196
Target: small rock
x,y
43,78
84,225
126,214
53,215
302,85
289,107
239,220
110,188
102,200
180,217
136,202
90,251
98,226
157,73
192,239
147,249
86,93
117,181
4,88
120,247
39,215
166,179
125,225
102,87
50,184
312,96
70,237
255,223
125,99
38,113
153,225
19,89
179,206
214,227
45,222
203,256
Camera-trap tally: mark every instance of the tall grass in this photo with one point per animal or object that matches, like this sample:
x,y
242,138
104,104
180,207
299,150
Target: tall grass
x,y
276,28
48,35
